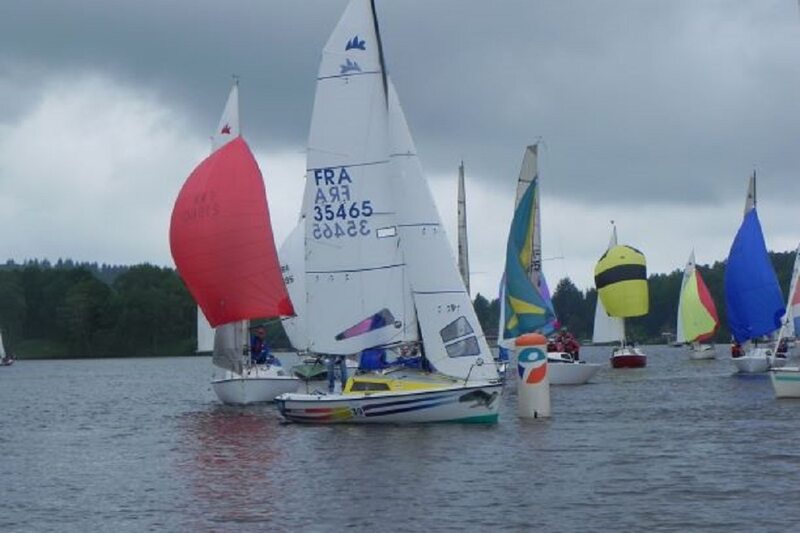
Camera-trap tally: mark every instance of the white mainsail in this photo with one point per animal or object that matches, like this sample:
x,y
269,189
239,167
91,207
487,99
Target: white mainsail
x,y
354,266
607,328
227,130
792,302
292,256
463,243
2,347
230,341
452,337
680,336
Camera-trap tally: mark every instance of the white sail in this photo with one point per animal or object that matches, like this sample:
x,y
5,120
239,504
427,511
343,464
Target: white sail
x,y
792,303
452,337
228,127
227,130
750,200
607,328
230,346
292,256
354,266
463,243
680,336
2,347
527,173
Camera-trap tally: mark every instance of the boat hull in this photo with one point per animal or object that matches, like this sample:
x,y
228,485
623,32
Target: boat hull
x,y
757,361
702,351
562,370
258,386
786,382
628,358
473,404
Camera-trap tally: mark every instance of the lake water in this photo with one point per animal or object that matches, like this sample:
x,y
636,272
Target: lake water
x,y
143,444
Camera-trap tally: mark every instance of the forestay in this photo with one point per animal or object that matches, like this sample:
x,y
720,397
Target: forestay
x,y
453,340
354,265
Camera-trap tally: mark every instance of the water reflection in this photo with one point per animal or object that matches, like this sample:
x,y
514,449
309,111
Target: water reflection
x,y
228,456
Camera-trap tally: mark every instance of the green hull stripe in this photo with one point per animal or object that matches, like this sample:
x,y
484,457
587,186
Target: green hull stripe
x,y
482,419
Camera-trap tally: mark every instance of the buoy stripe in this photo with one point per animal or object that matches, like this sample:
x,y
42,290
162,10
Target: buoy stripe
x,y
620,273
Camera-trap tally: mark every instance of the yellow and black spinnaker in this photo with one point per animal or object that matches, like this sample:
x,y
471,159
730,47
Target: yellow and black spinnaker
x,y
621,280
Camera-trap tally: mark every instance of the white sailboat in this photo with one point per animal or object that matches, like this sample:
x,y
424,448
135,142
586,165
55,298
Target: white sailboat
x,y
752,295
697,320
786,380
380,274
608,326
221,241
525,305
5,359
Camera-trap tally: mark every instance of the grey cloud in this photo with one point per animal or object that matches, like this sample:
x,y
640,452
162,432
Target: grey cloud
x,y
669,101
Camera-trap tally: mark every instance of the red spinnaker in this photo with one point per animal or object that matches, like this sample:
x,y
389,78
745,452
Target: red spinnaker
x,y
708,303
221,239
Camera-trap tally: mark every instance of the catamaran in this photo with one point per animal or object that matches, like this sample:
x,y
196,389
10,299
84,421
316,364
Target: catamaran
x,y
752,295
786,380
697,320
380,275
525,303
621,280
222,244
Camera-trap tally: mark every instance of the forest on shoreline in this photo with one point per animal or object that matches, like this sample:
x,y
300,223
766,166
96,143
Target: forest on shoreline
x,y
68,309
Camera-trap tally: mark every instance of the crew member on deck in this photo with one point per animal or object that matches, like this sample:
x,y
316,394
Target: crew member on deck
x,y
259,349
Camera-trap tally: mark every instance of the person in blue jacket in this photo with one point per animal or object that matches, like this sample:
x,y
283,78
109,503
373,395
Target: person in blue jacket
x,y
259,349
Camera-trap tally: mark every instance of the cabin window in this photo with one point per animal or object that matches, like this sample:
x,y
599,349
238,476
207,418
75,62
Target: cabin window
x,y
464,347
458,328
368,386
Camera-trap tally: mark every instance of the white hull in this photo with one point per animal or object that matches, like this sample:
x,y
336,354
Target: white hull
x,y
473,404
562,370
702,351
757,360
786,382
257,385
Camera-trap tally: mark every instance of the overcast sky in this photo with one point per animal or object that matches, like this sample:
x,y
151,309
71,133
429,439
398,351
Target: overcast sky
x,y
652,114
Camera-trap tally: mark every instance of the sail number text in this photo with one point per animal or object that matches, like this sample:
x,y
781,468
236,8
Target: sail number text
x,y
336,213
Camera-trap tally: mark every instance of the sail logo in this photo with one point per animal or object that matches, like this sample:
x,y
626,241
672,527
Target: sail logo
x,y
532,365
355,44
349,66
226,130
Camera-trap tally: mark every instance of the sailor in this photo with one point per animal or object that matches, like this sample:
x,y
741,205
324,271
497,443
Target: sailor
x,y
259,349
332,361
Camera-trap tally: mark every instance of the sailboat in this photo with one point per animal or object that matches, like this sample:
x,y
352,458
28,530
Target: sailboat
x,y
5,359
380,274
222,244
525,304
786,380
463,243
621,280
697,320
752,295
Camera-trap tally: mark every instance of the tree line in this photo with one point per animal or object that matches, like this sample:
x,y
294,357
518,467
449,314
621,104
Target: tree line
x,y
68,309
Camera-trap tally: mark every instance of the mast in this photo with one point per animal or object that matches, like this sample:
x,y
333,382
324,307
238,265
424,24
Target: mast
x,y
463,243
380,52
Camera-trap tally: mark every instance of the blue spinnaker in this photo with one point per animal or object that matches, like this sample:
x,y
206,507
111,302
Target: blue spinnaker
x,y
752,295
